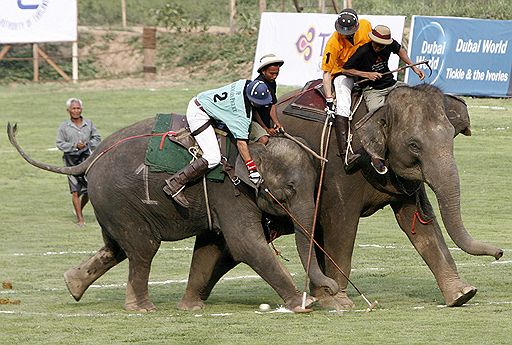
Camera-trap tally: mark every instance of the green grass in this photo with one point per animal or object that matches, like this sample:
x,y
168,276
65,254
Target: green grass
x,y
39,242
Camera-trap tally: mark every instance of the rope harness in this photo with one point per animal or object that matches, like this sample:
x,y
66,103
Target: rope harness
x,y
415,216
349,134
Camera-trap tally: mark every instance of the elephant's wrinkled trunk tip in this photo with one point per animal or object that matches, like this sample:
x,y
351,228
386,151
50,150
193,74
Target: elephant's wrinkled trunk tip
x,y
498,254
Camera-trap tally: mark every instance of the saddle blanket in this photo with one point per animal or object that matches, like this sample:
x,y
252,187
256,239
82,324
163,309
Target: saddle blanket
x,y
172,157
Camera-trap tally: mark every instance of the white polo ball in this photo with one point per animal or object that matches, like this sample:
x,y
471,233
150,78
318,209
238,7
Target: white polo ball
x,y
264,307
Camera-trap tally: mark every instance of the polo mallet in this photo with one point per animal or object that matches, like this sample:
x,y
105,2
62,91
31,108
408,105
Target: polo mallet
x,y
298,142
371,306
424,62
317,202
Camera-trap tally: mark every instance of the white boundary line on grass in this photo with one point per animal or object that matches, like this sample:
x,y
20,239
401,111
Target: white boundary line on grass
x,y
189,249
492,107
279,310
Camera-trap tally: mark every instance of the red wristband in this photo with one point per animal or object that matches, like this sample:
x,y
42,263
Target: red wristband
x,y
251,166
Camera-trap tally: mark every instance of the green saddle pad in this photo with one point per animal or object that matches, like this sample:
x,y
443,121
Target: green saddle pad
x,y
172,157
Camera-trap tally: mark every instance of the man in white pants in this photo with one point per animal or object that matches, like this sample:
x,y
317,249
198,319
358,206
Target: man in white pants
x,y
350,34
233,105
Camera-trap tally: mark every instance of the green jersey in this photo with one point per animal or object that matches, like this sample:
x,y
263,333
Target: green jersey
x,y
227,104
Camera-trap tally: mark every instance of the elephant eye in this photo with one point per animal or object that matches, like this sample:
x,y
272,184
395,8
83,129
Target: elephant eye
x,y
414,146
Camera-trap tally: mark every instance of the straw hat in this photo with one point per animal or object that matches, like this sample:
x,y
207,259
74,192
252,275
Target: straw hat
x,y
381,34
269,59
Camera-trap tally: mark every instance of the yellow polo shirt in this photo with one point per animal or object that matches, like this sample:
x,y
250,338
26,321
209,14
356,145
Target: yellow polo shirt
x,y
338,49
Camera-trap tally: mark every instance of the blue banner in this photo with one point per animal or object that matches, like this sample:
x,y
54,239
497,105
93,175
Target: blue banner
x,y
467,56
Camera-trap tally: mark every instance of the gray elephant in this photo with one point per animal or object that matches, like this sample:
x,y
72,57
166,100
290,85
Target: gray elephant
x,y
413,132
135,215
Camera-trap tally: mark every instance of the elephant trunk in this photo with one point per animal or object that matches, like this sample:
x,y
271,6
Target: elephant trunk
x,y
444,181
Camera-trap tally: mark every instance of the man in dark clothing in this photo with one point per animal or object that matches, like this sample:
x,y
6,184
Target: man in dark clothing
x,y
370,61
265,121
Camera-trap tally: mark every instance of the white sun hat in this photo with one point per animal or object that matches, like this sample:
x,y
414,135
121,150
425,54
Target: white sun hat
x,y
269,59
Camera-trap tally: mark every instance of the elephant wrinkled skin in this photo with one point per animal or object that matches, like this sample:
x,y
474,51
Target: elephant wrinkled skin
x,y
135,216
414,132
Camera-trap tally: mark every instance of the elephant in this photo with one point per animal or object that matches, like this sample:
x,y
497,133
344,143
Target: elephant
x,y
414,133
135,215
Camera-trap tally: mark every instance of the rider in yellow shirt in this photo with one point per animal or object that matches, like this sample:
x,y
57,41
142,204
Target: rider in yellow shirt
x,y
350,34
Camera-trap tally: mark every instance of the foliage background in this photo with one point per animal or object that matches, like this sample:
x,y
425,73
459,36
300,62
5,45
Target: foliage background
x,y
193,36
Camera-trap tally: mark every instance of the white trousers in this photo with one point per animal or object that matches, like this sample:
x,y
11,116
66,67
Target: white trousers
x,y
207,139
343,88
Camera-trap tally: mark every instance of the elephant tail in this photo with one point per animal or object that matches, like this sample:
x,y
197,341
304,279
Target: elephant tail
x,y
72,170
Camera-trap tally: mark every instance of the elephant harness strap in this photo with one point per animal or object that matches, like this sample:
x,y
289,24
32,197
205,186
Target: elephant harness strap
x,y
415,216
241,187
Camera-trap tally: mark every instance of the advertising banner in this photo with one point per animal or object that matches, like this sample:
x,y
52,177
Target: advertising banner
x,y
299,39
467,56
33,21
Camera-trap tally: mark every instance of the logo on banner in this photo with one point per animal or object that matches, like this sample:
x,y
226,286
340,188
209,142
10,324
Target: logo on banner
x,y
24,14
26,5
432,49
304,44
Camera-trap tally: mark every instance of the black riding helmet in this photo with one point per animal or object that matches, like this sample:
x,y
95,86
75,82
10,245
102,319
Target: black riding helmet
x,y
347,22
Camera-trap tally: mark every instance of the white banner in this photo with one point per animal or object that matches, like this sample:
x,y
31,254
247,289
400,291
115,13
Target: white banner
x,y
33,21
299,39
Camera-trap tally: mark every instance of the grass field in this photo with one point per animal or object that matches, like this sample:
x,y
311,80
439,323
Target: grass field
x,y
39,241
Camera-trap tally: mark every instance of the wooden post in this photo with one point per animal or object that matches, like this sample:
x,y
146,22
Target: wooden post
x,y
123,12
52,63
335,7
321,6
263,6
232,16
4,51
282,5
297,6
74,61
149,46
35,56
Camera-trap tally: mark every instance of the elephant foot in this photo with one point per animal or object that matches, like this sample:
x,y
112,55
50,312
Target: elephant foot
x,y
328,285
74,283
339,301
143,307
190,305
460,297
295,304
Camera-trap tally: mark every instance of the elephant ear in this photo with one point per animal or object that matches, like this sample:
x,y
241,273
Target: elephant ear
x,y
457,113
373,131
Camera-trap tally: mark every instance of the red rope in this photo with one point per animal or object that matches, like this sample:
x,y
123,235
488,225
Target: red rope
x,y
415,216
163,135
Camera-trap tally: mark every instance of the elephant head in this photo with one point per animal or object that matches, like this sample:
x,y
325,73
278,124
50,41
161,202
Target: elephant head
x,y
413,132
290,174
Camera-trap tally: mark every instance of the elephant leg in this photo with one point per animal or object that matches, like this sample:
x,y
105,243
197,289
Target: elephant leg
x,y
430,244
79,278
246,242
140,258
339,232
210,261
